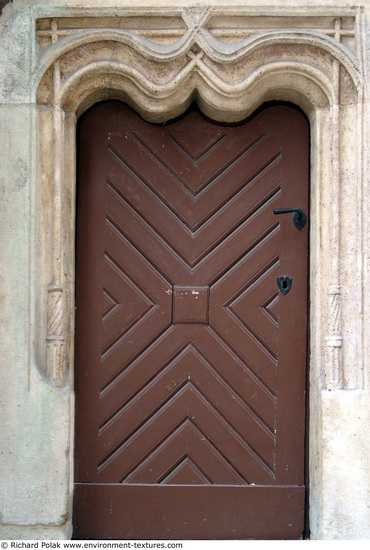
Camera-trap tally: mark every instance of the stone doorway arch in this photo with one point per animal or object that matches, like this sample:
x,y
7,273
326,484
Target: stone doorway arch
x,y
160,61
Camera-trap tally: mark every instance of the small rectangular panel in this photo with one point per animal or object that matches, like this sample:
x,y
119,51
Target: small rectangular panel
x,y
190,304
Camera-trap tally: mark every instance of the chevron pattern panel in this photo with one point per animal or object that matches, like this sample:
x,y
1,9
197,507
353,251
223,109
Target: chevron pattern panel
x,y
180,310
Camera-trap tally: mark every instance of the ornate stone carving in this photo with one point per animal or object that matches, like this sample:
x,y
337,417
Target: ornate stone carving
x,y
333,340
55,340
225,56
230,61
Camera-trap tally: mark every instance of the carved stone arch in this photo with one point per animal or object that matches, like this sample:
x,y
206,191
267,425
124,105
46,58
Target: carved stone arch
x,y
160,77
223,101
169,76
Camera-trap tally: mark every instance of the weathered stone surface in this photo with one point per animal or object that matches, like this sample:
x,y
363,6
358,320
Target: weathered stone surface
x,y
15,532
15,180
346,485
35,420
16,58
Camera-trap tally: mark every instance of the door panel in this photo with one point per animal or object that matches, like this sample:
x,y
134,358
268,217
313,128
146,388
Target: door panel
x,y
190,363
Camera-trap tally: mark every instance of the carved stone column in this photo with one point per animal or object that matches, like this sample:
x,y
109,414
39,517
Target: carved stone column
x,y
55,342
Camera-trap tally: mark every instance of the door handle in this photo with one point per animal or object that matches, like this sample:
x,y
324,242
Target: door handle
x,y
299,217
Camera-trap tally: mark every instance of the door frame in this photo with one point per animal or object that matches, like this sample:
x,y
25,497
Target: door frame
x,y
327,87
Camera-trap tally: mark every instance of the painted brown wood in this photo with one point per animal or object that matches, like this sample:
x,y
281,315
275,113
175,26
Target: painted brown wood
x,y
190,364
190,512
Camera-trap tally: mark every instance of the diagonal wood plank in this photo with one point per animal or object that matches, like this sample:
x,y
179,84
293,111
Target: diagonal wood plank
x,y
186,473
187,440
137,164
192,246
164,351
248,308
189,366
131,303
187,402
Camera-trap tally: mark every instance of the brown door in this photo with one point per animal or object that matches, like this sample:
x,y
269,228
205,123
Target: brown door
x,y
190,362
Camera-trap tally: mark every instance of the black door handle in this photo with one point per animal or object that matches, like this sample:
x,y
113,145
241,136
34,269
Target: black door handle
x,y
299,218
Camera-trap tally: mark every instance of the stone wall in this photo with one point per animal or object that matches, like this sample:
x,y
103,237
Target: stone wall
x,y
55,62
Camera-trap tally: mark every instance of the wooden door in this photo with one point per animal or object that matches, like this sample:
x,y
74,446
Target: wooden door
x,y
190,362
